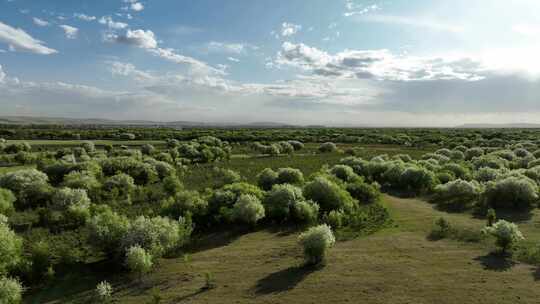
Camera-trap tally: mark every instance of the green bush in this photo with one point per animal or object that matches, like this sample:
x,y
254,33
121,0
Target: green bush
x,y
106,230
457,195
328,147
343,172
30,186
363,192
518,193
290,176
316,242
248,209
184,202
305,212
6,201
280,199
329,195
267,178
158,235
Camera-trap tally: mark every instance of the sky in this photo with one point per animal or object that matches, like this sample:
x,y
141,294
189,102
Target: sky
x,y
339,62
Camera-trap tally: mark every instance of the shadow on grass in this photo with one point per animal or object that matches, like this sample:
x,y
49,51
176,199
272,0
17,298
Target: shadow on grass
x,y
180,299
496,261
508,215
284,280
215,239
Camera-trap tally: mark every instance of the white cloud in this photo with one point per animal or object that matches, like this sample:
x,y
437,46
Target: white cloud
x,y
354,9
84,17
108,21
70,31
527,29
2,75
139,38
234,48
18,39
40,22
128,69
289,29
137,6
145,39
233,59
378,64
411,21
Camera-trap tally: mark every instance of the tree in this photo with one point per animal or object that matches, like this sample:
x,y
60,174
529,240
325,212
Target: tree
x,y
248,209
507,234
316,242
138,260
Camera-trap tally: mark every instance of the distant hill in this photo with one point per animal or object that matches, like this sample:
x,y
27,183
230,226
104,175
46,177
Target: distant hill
x,y
501,126
29,120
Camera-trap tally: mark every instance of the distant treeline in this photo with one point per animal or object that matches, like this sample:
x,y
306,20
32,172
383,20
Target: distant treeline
x,y
396,136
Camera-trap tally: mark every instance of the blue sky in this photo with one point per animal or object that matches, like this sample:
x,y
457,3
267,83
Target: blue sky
x,y
342,62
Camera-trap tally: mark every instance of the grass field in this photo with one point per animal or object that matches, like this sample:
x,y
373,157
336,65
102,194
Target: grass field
x,y
395,265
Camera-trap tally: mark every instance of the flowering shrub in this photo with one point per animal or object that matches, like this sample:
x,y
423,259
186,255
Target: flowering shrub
x,y
104,291
157,235
506,234
11,291
138,260
316,242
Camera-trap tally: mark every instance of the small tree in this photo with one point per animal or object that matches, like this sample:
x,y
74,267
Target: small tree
x,y
506,234
316,242
104,291
491,217
267,178
11,291
138,260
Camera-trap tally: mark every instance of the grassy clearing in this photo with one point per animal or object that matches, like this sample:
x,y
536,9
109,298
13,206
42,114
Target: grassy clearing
x,y
396,265
200,176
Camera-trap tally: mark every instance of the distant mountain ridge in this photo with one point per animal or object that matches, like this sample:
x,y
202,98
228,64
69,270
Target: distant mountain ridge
x,y
27,120
501,126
